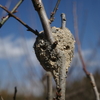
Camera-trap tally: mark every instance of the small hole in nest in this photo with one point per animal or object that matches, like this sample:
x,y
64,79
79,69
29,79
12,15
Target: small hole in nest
x,y
53,59
67,47
43,47
57,29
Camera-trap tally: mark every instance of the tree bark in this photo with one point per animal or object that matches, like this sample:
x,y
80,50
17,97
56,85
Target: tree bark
x,y
44,20
63,21
49,86
62,78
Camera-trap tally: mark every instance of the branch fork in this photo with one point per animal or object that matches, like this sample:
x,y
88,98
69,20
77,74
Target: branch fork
x,y
10,14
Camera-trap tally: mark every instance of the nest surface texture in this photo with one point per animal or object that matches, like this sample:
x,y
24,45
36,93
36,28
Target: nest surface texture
x,y
48,55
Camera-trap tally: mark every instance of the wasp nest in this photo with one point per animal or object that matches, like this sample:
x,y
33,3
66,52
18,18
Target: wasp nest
x,y
48,55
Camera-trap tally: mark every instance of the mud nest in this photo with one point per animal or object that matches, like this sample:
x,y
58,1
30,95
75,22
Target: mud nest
x,y
47,54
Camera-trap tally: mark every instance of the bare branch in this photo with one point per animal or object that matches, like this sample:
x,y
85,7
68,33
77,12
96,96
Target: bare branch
x,y
92,81
77,39
60,94
49,86
15,92
13,11
63,21
44,19
74,93
12,15
1,98
7,5
62,77
54,11
89,75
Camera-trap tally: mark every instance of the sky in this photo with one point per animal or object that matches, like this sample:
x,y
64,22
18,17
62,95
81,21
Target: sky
x,y
17,57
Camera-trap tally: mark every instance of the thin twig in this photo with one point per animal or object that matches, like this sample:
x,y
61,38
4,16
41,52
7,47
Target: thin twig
x,y
12,15
75,93
63,21
92,80
15,92
38,5
7,5
89,75
54,11
13,11
1,98
77,39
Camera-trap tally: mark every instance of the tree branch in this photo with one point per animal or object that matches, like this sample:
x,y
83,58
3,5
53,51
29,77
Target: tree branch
x,y
12,15
44,20
62,78
77,39
62,70
54,11
92,81
13,11
15,92
63,21
89,75
1,98
49,86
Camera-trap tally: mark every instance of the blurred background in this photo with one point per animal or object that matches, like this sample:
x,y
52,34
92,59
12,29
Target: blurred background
x,y
18,64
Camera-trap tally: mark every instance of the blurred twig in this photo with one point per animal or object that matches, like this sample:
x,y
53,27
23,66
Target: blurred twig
x,y
12,15
1,98
7,5
54,11
15,92
4,19
89,75
74,93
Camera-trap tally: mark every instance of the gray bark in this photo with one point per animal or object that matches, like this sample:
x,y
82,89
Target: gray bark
x,y
62,78
63,21
44,20
97,96
49,86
